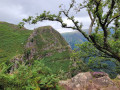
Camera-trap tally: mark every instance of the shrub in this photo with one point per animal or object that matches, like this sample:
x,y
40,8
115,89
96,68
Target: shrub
x,y
26,77
77,67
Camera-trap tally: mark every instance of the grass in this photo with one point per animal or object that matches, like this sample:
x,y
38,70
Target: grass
x,y
12,40
58,61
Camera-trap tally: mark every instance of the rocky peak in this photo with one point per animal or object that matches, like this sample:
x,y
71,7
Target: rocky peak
x,y
44,42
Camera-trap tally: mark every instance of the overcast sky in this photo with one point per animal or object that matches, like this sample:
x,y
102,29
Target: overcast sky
x,y
13,11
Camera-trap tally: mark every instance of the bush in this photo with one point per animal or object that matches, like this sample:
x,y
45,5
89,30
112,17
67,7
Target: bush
x,y
26,77
77,67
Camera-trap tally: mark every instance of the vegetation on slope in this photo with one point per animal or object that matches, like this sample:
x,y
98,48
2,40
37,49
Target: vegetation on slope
x,y
96,60
52,54
50,47
25,77
12,40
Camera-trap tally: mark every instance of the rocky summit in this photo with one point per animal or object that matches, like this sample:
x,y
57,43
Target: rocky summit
x,y
44,42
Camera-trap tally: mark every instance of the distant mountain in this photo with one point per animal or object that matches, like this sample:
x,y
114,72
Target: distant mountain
x,y
76,37
73,38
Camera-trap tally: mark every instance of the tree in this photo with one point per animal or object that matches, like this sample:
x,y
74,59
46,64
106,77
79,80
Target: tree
x,y
105,17
95,59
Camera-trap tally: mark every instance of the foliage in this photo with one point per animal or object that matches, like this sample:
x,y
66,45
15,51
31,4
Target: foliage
x,y
97,60
58,61
77,65
102,14
26,77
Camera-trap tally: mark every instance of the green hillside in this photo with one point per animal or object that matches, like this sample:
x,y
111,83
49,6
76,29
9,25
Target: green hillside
x,y
32,59
12,40
44,44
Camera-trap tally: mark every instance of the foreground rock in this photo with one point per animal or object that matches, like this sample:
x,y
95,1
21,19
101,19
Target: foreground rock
x,y
86,81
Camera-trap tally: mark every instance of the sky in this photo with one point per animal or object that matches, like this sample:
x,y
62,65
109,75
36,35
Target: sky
x,y
13,11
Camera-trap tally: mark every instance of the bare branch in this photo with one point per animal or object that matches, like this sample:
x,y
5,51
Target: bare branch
x,y
71,6
91,25
92,22
90,15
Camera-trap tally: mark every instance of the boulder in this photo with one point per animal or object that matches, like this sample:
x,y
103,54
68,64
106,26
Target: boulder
x,y
85,81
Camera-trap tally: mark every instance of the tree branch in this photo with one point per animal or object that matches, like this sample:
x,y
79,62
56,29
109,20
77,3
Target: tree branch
x,y
112,20
76,25
92,23
110,11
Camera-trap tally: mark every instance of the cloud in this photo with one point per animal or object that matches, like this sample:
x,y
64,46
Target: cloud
x,y
84,20
13,11
61,30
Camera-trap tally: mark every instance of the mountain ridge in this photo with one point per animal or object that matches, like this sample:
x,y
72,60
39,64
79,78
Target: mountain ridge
x,y
73,38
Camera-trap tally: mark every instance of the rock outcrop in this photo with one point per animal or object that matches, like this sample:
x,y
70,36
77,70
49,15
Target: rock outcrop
x,y
86,81
44,42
